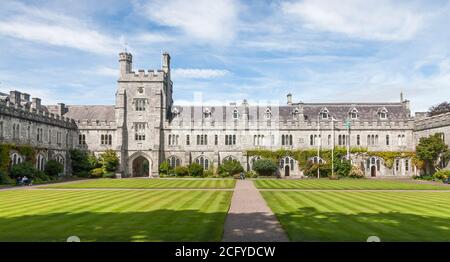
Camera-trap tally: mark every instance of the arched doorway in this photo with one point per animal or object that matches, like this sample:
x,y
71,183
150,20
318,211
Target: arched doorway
x,y
140,167
373,171
286,170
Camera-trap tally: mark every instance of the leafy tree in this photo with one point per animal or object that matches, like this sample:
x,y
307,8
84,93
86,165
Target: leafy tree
x,y
311,169
442,174
356,172
53,168
230,168
80,163
265,167
196,170
109,161
5,179
442,108
165,168
431,150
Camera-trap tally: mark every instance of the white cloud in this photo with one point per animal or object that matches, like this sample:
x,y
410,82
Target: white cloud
x,y
198,73
47,27
383,20
201,19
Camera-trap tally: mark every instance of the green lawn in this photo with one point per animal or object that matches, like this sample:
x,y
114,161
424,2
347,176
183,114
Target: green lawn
x,y
354,216
149,183
327,184
113,215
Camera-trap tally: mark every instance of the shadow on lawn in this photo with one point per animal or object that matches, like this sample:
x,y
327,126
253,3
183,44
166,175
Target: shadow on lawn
x,y
158,225
309,224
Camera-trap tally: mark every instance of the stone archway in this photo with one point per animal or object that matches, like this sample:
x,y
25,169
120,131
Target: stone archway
x,y
140,165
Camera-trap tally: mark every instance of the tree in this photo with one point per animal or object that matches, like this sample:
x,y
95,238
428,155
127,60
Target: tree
x,y
342,167
23,169
80,163
432,150
265,167
230,168
165,167
53,168
442,108
109,161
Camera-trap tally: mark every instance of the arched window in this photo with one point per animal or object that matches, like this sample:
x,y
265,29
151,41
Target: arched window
x,y
354,114
40,162
16,159
387,140
268,113
203,161
382,113
235,114
60,159
228,158
324,113
174,161
317,160
311,140
358,140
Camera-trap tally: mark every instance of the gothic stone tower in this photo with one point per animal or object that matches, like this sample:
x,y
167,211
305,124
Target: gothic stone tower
x,y
143,102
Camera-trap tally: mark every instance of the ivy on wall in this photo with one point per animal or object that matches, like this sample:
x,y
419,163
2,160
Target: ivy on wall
x,y
27,151
303,156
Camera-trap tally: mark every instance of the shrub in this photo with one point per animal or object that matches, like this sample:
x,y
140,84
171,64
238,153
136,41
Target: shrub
x,y
53,168
356,172
109,161
164,168
195,170
265,167
342,168
181,171
441,174
424,177
251,174
23,169
311,170
5,179
209,173
93,161
230,168
97,172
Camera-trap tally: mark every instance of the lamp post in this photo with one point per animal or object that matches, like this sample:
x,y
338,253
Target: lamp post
x,y
318,145
348,125
332,148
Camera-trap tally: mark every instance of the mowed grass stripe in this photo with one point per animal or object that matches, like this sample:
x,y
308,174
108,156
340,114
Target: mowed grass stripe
x,y
353,216
346,184
120,215
140,183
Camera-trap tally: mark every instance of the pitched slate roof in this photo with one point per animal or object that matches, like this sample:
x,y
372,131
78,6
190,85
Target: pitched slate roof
x,y
91,112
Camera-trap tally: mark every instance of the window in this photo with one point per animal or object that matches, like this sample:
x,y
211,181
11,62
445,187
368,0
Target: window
x,y
16,131
295,113
406,165
317,160
173,140
372,140
258,140
387,140
39,135
188,140
50,136
139,129
15,159
202,140
106,139
174,161
401,140
287,162
28,132
1,129
139,104
324,113
216,140
354,113
206,113
397,165
286,140
203,161
235,114
329,139
40,162
382,113
82,139
228,158
358,140
268,113
230,140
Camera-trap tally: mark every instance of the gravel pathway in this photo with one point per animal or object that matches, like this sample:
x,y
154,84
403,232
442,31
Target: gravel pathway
x,y
250,219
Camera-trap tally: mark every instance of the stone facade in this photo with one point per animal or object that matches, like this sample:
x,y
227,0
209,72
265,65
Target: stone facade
x,y
145,128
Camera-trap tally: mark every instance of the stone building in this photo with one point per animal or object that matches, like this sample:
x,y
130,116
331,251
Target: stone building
x,y
145,128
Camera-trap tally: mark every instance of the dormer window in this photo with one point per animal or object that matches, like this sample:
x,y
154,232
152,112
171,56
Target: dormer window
x,y
324,113
296,112
268,113
206,113
175,112
382,113
354,114
235,114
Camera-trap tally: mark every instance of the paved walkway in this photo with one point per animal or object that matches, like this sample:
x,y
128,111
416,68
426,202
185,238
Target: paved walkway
x,y
250,219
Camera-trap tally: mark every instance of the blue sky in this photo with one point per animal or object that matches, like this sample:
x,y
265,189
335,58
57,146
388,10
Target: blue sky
x,y
228,50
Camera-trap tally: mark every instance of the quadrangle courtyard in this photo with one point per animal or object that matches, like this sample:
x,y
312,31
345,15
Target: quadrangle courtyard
x,y
198,210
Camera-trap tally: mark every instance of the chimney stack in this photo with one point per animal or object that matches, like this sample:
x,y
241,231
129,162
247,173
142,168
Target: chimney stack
x,y
289,99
